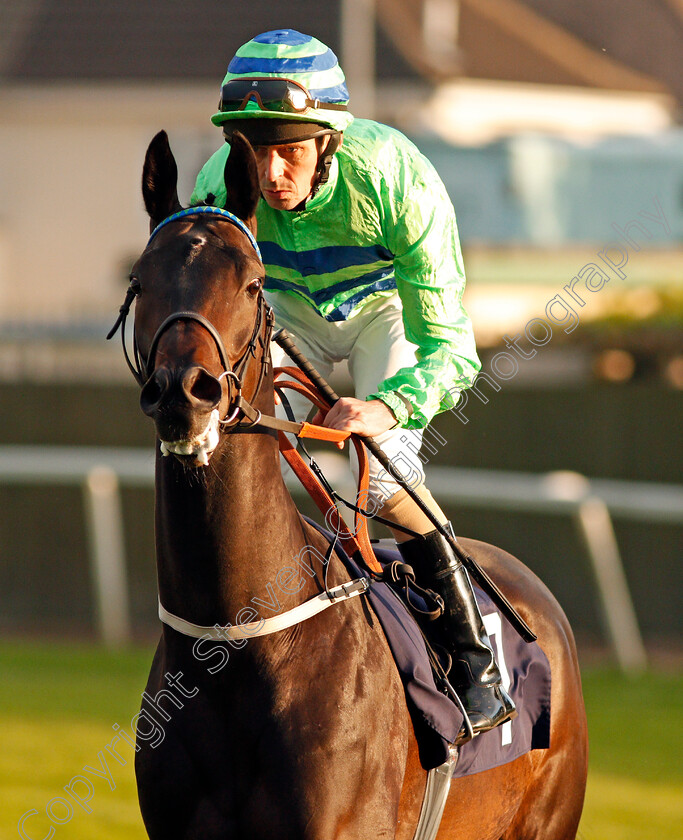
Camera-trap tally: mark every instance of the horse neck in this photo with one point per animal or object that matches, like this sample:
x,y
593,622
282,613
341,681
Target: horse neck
x,y
225,531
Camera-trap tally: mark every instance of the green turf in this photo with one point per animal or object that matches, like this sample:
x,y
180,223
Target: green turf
x,y
635,782
57,708
58,704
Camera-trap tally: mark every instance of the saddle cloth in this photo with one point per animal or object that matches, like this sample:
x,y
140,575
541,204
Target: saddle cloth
x,y
436,719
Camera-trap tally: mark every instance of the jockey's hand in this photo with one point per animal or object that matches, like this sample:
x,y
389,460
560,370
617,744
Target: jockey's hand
x,y
367,418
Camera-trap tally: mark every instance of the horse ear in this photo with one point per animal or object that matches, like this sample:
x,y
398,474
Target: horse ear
x,y
241,179
160,180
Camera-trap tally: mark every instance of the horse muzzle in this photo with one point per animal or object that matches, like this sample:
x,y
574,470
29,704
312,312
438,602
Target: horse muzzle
x,y
198,449
185,407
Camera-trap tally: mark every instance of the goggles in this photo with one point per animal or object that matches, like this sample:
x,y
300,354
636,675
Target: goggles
x,y
283,96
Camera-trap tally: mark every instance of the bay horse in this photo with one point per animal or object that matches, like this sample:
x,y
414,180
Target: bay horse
x,y
302,734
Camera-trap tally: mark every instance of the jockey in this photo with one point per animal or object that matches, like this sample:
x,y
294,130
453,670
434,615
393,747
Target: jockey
x,y
363,263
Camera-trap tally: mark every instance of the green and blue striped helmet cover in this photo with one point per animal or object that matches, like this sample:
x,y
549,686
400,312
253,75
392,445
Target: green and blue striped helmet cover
x,y
288,54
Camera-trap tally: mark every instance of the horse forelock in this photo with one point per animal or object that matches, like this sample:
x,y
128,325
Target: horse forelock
x,y
197,258
203,235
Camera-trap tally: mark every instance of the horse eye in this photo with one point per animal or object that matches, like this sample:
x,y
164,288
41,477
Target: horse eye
x,y
135,286
255,286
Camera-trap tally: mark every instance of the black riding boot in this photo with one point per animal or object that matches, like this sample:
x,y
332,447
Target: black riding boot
x,y
474,674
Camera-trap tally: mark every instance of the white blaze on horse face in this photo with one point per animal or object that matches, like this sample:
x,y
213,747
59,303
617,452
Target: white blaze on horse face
x,y
201,446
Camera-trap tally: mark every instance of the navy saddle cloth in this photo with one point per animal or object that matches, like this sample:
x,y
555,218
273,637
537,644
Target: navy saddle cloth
x,y
436,719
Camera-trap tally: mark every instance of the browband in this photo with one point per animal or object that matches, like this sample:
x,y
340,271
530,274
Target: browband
x,y
214,211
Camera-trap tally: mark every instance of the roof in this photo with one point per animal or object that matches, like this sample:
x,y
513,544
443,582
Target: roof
x,y
82,40
633,45
645,35
134,39
625,44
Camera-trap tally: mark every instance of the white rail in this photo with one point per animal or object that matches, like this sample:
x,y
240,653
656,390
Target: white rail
x,y
590,502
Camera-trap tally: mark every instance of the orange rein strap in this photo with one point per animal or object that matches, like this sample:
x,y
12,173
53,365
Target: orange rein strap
x,y
308,430
352,542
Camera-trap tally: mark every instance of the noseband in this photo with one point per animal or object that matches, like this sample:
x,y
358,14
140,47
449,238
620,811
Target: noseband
x,y
142,369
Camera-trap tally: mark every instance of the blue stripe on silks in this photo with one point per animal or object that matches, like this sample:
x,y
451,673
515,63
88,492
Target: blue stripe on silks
x,y
275,284
324,260
341,313
303,64
340,93
283,36
369,280
322,296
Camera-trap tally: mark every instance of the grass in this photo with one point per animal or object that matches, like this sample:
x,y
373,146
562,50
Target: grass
x,y
635,783
57,707
58,704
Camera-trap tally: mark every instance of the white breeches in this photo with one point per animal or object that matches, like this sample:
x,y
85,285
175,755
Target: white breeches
x,y
374,344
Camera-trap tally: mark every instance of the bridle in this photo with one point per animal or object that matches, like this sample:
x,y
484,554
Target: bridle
x,y
142,369
239,410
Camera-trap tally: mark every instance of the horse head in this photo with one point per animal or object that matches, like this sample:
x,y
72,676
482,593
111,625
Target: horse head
x,y
202,326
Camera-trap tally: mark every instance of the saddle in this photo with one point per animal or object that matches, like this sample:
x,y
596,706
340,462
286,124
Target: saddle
x,y
436,718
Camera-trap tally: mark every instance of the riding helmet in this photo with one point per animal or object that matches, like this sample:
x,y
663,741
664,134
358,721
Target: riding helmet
x,y
284,87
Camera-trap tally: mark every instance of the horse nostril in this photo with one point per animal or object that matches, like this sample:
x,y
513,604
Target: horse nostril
x,y
194,386
201,387
153,391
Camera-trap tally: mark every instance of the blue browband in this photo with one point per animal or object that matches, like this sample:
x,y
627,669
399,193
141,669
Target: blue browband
x,y
215,211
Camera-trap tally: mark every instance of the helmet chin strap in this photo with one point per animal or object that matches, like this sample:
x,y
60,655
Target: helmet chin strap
x,y
325,161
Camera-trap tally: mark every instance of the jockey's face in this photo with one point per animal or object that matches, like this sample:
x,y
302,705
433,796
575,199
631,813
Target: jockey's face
x,y
287,172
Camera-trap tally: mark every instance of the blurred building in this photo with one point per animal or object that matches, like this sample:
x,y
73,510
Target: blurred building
x,y
516,103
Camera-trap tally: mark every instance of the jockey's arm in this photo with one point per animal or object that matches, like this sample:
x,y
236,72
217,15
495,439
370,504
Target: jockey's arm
x,y
423,237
